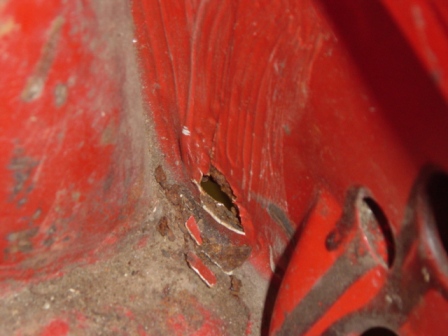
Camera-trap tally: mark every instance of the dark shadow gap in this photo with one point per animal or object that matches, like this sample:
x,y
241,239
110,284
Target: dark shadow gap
x,y
382,230
437,192
379,331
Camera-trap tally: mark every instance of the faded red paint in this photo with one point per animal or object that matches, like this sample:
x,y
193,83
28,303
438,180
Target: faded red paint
x,y
70,167
56,328
204,323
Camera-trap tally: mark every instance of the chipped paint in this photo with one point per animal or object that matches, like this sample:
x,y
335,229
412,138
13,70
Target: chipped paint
x,y
198,266
193,229
186,131
36,82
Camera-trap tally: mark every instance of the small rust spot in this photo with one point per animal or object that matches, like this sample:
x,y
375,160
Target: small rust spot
x,y
160,177
164,229
173,194
235,285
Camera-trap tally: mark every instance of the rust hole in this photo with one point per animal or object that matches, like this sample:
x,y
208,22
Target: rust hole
x,y
213,189
379,331
218,200
377,230
437,191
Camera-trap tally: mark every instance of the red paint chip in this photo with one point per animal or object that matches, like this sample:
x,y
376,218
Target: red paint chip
x,y
55,328
193,230
197,265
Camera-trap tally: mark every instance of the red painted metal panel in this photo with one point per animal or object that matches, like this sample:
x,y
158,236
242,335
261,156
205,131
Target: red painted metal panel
x,y
71,162
295,100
